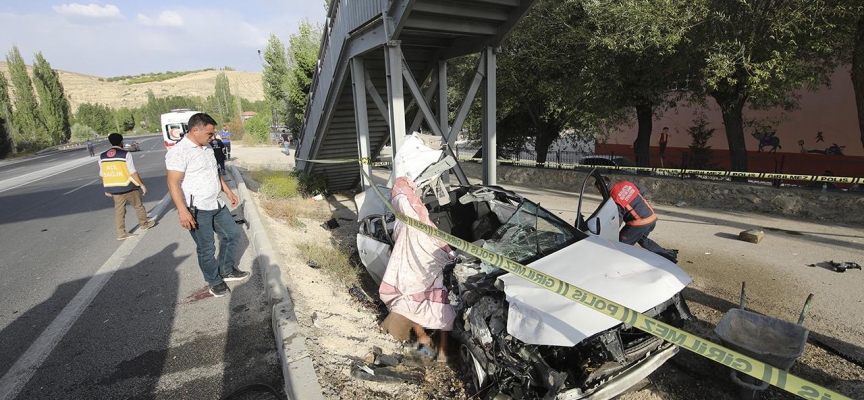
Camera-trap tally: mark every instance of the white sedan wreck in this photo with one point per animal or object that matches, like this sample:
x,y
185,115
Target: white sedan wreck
x,y
517,339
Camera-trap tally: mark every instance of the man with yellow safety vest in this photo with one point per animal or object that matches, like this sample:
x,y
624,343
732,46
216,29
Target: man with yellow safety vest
x,y
121,182
638,216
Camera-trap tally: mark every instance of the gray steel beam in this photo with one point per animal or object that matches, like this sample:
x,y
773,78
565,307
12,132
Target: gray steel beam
x,y
451,25
395,98
358,79
462,10
490,154
430,119
516,15
479,74
399,12
376,97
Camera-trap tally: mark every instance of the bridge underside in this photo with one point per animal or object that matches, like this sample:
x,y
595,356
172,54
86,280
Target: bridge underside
x,y
395,64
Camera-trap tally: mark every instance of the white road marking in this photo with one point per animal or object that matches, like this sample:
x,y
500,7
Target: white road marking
x,y
24,368
49,171
79,187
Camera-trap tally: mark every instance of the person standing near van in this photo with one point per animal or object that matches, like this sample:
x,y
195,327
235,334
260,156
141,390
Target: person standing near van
x,y
195,185
121,182
226,140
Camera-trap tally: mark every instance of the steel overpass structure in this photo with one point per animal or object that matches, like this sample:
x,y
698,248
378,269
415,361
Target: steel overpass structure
x,y
379,58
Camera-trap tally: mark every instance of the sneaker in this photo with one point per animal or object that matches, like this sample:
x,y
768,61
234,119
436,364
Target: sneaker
x,y
236,275
149,224
219,290
126,235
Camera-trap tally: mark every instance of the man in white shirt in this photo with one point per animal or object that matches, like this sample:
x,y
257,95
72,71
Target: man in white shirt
x,y
195,184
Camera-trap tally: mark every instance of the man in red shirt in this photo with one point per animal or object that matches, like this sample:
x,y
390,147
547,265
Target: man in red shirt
x,y
638,216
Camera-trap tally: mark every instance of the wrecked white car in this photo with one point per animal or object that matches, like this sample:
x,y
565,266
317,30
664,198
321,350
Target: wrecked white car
x,y
517,339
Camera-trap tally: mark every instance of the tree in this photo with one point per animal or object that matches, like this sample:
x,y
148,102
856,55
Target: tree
x,y
124,119
302,62
97,116
223,99
29,127
700,151
275,75
638,54
758,52
53,105
852,52
7,145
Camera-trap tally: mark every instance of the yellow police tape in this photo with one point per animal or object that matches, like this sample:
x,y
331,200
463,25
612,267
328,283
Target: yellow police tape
x,y
671,171
675,171
683,339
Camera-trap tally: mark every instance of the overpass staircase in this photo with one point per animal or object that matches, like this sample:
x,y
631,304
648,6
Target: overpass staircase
x,y
381,58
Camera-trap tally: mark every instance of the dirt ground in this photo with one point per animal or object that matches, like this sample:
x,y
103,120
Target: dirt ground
x,y
343,330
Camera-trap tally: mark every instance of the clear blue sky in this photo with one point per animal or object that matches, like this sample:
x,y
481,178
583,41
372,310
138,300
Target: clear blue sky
x,y
124,37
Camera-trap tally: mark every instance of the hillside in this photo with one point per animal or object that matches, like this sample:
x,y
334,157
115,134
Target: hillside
x,y
81,88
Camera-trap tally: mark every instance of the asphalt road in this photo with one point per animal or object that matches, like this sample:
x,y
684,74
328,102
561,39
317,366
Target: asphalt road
x,y
87,316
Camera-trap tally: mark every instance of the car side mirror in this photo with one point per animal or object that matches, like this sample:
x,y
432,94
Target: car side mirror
x,y
594,226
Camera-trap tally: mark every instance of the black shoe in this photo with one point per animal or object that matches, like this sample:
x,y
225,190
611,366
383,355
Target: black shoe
x,y
236,275
219,290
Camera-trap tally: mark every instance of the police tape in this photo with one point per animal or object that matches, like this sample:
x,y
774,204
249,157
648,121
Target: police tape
x,y
668,171
712,351
364,161
684,171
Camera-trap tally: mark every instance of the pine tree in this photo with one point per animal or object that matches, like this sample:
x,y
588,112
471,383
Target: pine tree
x,y
29,128
6,143
53,105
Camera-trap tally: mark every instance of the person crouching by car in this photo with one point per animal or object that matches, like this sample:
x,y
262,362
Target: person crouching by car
x,y
219,152
413,284
638,216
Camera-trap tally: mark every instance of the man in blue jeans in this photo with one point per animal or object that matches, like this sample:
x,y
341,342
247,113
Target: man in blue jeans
x,y
195,184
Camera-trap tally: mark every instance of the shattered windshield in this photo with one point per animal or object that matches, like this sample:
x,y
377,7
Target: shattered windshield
x,y
531,233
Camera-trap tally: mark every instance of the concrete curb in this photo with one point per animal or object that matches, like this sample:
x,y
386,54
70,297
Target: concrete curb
x,y
301,382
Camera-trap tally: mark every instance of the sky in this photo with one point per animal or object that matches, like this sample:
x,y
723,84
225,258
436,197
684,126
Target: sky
x,y
124,37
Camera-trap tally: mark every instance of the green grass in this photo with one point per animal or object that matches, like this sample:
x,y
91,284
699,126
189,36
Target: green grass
x,y
276,185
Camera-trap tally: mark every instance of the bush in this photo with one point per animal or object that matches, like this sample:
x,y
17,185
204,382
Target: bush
x,y
257,130
311,184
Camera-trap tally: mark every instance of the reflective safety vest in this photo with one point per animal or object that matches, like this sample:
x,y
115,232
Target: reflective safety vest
x,y
635,210
115,175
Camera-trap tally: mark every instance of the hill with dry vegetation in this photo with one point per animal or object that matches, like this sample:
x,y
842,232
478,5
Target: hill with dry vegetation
x,y
82,88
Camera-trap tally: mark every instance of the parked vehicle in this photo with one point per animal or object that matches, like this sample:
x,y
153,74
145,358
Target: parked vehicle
x,y
131,145
174,125
516,338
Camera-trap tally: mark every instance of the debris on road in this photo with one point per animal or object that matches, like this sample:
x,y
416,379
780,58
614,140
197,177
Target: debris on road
x,y
751,235
330,224
313,264
842,267
386,368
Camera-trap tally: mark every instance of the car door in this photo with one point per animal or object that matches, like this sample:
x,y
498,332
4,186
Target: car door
x,y
604,220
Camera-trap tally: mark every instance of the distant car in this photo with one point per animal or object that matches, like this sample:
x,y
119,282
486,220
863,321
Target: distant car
x,y
131,146
606,161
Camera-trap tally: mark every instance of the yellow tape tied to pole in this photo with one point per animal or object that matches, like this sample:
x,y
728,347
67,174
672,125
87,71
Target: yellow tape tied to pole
x,y
705,348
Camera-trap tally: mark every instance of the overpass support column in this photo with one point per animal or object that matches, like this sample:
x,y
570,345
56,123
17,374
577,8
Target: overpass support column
x,y
396,98
488,119
361,119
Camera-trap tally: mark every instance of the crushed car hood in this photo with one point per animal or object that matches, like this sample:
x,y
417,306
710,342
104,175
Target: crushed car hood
x,y
628,275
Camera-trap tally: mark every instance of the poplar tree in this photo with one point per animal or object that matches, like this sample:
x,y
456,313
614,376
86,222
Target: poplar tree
x,y
29,127
302,62
53,105
275,75
223,98
6,143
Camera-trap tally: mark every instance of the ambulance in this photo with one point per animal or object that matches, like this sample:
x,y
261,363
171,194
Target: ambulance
x,y
174,125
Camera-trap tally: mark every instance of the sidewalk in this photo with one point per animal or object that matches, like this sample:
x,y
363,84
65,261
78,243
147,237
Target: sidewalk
x,y
298,372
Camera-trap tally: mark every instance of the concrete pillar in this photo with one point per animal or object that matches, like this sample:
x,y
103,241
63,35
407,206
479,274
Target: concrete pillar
x,y
361,119
488,119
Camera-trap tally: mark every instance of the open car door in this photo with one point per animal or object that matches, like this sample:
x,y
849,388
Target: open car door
x,y
605,220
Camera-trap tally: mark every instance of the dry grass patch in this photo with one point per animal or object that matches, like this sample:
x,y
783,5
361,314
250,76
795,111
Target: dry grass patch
x,y
332,260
